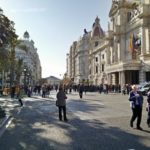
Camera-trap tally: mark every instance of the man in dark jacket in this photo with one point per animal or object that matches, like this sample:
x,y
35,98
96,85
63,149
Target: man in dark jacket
x,y
61,102
136,101
81,89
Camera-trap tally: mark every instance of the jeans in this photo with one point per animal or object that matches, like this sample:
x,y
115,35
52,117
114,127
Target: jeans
x,y
62,108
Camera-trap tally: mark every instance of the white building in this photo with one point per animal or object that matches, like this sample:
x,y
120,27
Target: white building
x,y
122,54
31,62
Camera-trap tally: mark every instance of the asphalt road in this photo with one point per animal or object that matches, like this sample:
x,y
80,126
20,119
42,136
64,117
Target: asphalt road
x,y
96,122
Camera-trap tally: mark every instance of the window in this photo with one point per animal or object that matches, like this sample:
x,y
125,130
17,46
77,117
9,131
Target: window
x,y
102,67
96,43
96,59
129,16
96,69
103,56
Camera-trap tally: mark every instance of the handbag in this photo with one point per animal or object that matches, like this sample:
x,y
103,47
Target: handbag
x,y
57,103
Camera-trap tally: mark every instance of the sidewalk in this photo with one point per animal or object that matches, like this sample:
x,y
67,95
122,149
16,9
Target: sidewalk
x,y
11,107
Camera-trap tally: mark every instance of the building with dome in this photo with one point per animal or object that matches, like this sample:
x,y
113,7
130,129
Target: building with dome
x,y
31,66
118,56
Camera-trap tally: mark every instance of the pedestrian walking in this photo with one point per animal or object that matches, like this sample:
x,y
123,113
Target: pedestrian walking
x,y
19,93
124,90
136,103
148,108
81,89
43,91
12,91
61,103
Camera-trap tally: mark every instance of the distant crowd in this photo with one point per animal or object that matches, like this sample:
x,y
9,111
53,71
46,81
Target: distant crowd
x,y
45,89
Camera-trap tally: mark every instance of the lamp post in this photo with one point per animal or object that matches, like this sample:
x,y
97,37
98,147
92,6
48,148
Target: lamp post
x,y
0,83
25,73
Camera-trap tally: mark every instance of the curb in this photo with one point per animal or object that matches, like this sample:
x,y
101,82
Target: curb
x,y
5,123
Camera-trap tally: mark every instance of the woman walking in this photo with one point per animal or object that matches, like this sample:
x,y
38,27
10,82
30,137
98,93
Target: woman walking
x,y
61,103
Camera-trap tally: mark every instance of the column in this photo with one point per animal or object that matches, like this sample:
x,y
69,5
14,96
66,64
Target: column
x,y
142,76
143,42
147,41
122,78
109,78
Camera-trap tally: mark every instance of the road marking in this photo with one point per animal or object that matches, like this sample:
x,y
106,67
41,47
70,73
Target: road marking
x,y
5,126
9,122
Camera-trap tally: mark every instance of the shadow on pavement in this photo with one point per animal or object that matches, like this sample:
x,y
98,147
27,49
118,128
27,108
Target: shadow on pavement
x,y
35,129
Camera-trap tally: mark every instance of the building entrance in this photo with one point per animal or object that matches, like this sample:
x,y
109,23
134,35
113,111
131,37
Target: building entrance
x,y
132,77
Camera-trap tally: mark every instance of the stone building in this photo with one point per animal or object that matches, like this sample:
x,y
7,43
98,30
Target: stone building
x,y
96,54
77,59
122,54
27,52
129,53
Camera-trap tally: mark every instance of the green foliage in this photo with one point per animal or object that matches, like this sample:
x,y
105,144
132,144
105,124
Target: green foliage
x,y
7,30
18,69
8,39
4,59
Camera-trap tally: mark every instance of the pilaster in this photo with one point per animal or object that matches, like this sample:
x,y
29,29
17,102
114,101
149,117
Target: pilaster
x,y
142,77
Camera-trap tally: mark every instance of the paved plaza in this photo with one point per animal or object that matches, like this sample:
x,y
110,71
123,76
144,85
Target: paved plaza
x,y
96,122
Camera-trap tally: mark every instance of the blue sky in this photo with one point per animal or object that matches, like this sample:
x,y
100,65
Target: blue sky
x,y
54,24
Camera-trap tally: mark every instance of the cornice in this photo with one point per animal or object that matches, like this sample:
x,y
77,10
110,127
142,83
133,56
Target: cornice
x,y
131,65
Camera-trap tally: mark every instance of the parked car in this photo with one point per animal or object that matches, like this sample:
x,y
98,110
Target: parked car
x,y
144,88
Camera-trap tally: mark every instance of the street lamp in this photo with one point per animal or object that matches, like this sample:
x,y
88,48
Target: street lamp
x,y
25,73
1,84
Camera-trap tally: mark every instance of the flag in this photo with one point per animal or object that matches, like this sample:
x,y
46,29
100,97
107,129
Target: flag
x,y
132,43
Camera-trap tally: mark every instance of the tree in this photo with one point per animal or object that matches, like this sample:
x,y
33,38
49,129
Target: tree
x,y
7,31
8,41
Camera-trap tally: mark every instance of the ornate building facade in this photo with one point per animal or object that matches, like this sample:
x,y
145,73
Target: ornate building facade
x,y
122,54
129,53
31,63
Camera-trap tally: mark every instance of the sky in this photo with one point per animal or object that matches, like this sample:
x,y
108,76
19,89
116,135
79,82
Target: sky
x,y
54,25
